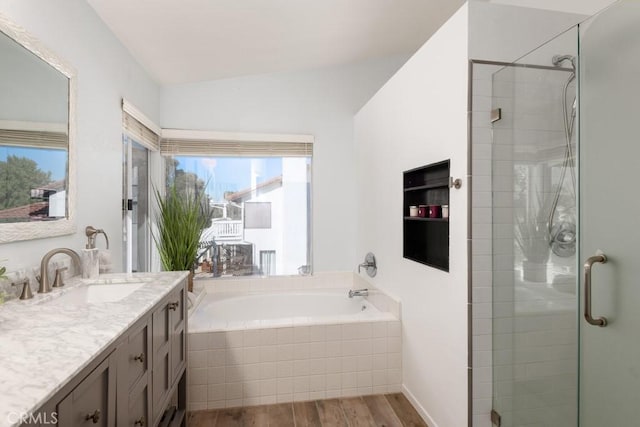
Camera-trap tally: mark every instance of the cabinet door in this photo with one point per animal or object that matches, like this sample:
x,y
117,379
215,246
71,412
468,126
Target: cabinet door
x,y
178,331
139,406
138,354
161,365
93,401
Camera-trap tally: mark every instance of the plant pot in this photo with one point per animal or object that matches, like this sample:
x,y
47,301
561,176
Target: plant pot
x,y
190,281
534,271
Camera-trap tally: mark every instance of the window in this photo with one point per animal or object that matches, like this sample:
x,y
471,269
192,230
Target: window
x,y
259,200
257,215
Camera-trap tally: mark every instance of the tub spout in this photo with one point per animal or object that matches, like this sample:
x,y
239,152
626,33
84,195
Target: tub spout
x,y
358,293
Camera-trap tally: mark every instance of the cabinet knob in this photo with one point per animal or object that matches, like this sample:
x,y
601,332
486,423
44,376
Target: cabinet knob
x,y
139,422
139,358
95,417
173,305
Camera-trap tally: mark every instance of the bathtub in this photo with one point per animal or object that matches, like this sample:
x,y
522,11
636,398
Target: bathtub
x,y
254,342
225,311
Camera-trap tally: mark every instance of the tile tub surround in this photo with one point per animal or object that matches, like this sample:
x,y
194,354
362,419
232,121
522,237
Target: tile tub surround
x,y
44,346
254,366
265,366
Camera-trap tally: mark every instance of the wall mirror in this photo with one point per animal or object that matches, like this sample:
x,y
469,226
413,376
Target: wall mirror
x,y
37,171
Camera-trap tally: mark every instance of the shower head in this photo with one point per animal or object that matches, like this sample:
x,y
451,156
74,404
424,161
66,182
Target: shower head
x,y
557,60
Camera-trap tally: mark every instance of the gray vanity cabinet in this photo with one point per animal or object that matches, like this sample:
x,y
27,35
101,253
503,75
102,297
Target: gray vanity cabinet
x,y
93,401
138,381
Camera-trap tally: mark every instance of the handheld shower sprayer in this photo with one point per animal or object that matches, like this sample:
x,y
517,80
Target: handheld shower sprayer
x,y
561,225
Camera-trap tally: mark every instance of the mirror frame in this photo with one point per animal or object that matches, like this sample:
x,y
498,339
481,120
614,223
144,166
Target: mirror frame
x,y
18,231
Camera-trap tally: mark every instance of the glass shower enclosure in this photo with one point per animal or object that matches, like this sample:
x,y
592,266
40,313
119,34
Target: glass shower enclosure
x,y
534,193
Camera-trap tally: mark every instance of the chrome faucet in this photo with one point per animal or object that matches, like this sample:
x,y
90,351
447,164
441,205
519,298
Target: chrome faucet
x,y
358,293
45,286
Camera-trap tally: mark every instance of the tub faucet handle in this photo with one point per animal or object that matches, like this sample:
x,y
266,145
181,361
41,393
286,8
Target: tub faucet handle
x,y
369,264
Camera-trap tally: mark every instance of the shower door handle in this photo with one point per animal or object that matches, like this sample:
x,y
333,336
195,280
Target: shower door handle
x,y
588,265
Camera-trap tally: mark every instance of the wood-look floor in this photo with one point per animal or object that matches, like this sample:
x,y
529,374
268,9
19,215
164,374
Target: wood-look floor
x,y
389,410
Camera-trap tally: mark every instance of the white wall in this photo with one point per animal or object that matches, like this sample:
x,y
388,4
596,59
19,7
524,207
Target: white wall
x,y
420,117
506,33
106,72
320,102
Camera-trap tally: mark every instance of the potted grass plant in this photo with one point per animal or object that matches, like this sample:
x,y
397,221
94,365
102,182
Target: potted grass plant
x,y
182,215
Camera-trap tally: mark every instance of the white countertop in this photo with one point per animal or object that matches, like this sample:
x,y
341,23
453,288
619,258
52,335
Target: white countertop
x,y
44,346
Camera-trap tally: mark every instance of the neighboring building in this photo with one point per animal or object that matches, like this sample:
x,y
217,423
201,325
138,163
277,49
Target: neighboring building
x,y
47,202
266,240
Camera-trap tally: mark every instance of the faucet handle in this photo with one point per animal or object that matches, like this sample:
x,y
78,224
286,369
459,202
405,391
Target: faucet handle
x,y
26,288
58,281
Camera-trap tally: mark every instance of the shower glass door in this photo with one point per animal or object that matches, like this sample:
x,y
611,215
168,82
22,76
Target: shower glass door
x,y
535,366
609,215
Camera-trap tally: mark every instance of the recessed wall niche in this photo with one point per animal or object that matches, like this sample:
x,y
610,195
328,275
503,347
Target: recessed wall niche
x,y
426,215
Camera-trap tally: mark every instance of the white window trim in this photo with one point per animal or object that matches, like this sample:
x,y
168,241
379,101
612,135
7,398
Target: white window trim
x,y
240,137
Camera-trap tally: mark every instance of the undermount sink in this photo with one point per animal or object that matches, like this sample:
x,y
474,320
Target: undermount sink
x,y
96,294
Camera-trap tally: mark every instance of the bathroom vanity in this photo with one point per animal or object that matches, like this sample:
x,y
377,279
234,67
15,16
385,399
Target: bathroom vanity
x,y
105,352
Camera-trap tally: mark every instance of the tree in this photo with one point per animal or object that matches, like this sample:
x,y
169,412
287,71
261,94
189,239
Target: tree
x,y
20,175
187,185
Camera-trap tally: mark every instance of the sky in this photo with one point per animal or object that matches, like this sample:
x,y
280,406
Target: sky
x,y
48,160
230,173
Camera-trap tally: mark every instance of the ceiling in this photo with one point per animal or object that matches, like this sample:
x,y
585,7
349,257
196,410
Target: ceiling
x,y
197,40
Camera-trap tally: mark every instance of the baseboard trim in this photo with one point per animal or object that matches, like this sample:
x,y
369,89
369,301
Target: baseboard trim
x,y
421,411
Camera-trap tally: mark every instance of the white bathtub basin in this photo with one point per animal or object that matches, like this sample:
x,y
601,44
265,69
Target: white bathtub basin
x,y
95,294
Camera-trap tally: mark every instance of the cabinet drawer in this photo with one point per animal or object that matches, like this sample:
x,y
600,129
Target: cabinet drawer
x,y
92,402
138,354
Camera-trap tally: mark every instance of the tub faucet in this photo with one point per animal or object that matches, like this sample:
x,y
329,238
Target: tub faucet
x,y
45,286
358,293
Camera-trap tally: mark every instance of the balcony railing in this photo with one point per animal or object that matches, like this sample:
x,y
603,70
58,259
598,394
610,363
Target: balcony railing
x,y
225,231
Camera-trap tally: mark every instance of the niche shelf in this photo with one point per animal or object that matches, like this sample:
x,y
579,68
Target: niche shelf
x,y
426,240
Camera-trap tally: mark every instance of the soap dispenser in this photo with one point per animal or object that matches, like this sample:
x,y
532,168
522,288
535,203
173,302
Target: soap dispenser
x,y
90,263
